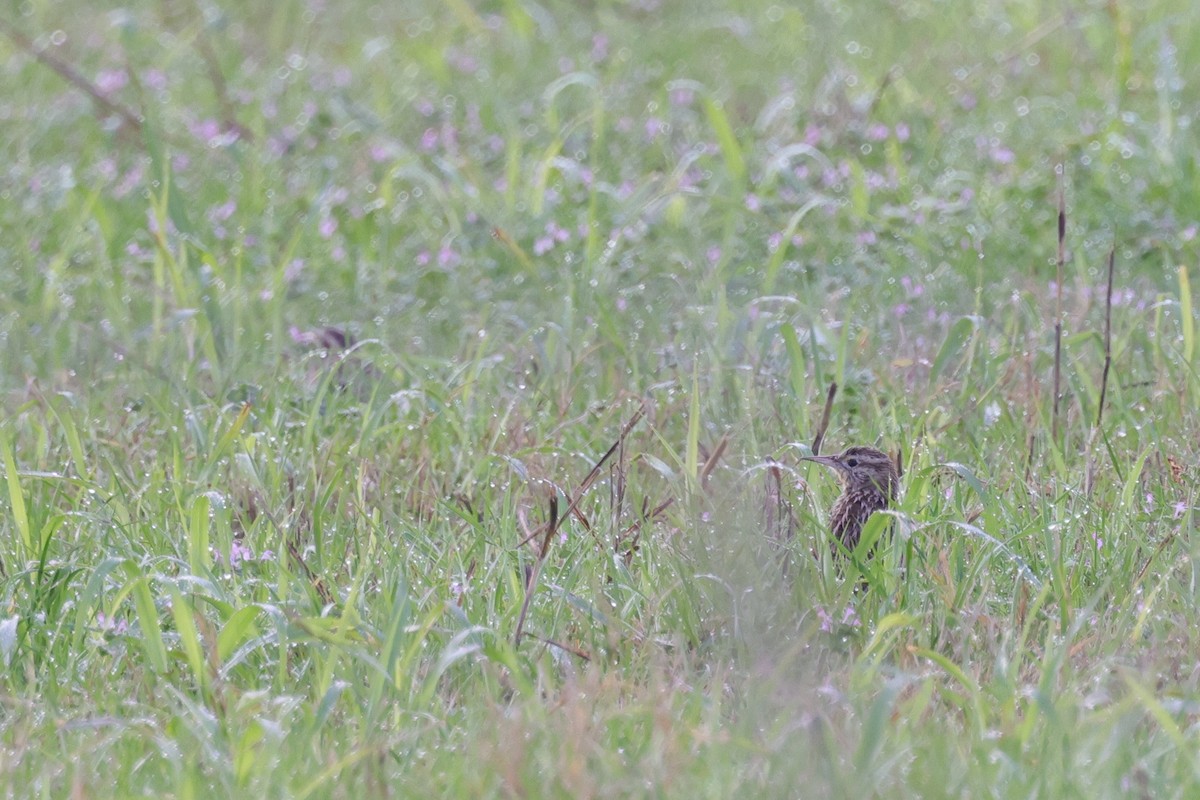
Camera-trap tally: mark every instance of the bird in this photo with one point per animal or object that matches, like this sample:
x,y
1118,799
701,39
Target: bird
x,y
869,482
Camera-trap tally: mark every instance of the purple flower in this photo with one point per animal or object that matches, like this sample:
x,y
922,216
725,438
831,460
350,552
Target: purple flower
x,y
682,98
238,552
464,63
327,227
448,258
599,47
111,80
654,127
154,79
207,130
222,212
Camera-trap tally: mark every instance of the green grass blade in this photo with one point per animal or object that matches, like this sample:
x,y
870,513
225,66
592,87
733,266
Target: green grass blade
x,y
731,150
16,498
1185,316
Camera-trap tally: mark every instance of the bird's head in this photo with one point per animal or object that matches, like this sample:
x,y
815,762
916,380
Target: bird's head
x,y
862,467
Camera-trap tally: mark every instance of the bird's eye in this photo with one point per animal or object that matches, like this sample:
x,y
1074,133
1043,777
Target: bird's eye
x,y
851,462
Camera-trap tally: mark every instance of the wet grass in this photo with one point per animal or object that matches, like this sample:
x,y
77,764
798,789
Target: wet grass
x,y
316,320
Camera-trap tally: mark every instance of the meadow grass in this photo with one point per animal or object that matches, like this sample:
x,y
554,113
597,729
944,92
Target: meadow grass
x,y
314,312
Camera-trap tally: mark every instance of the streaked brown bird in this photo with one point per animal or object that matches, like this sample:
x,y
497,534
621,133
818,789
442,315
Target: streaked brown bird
x,y
869,482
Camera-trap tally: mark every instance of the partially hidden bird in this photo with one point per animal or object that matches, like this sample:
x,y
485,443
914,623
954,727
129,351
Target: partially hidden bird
x,y
869,482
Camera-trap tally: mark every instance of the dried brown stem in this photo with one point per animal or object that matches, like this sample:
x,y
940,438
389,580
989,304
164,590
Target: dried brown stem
x,y
777,511
1058,287
1090,475
217,77
129,117
291,538
1162,546
1112,254
575,651
632,535
825,415
556,520
713,459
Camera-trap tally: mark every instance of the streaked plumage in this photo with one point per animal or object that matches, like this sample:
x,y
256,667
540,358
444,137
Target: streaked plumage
x,y
869,483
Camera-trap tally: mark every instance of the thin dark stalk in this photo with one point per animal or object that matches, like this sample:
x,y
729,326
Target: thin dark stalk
x,y
1058,287
217,78
825,415
556,520
713,459
291,539
129,118
578,652
629,540
1090,475
777,511
1107,336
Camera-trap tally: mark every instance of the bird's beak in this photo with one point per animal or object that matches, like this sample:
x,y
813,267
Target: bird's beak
x,y
828,461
